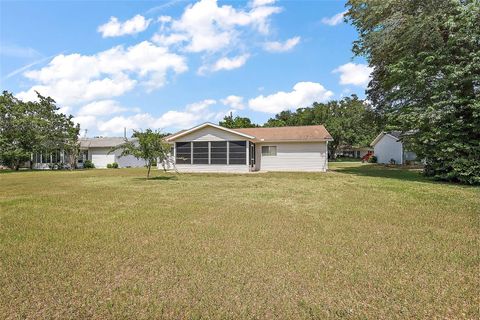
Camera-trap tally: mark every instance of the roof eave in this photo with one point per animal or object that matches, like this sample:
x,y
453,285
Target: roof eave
x,y
203,125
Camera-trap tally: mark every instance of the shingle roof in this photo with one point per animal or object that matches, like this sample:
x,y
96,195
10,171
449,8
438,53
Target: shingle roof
x,y
396,134
103,142
294,133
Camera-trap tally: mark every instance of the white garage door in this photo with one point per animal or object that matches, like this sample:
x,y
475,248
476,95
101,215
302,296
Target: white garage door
x,y
101,160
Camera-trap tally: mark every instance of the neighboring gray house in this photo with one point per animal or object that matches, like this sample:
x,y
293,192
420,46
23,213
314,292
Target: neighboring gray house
x,y
93,149
388,146
211,148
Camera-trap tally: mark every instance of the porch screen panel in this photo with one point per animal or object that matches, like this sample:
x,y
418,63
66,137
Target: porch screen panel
x,y
200,153
184,154
218,152
238,152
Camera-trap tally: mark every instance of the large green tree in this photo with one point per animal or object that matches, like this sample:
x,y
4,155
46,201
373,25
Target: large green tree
x,y
425,56
350,121
238,122
34,126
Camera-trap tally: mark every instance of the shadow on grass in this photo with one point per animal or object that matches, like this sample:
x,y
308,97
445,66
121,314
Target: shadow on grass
x,y
380,171
157,178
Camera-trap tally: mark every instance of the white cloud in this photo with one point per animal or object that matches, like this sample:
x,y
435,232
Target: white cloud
x,y
235,102
169,40
303,95
259,3
191,115
115,28
352,73
277,46
86,122
76,78
212,28
230,63
335,20
102,107
224,63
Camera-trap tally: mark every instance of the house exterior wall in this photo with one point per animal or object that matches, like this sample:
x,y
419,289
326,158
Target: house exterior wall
x,y
388,148
293,156
123,162
210,134
409,156
212,168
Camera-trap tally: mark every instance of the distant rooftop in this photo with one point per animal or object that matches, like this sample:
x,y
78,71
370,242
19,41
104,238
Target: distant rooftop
x,y
101,142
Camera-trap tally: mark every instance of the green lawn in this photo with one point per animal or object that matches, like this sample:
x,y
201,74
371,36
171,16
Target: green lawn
x,y
361,241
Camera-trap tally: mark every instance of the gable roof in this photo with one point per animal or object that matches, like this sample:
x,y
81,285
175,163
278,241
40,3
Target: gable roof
x,y
182,133
394,134
292,133
101,142
275,134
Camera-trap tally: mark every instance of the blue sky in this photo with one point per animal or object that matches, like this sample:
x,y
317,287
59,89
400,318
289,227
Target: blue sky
x,y
174,64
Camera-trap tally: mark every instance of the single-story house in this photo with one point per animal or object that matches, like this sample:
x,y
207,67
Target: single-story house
x,y
353,152
211,148
97,150
388,148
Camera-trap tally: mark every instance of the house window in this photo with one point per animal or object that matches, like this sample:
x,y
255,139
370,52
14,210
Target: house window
x,y
183,155
269,151
45,157
218,152
200,153
237,152
83,156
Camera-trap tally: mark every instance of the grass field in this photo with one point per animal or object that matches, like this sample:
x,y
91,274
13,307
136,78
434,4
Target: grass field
x,y
361,241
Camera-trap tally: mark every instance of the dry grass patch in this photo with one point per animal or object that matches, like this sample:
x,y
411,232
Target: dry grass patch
x,y
359,242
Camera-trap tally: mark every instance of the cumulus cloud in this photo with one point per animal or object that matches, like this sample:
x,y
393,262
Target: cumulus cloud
x,y
277,46
259,3
76,78
96,120
100,108
224,63
235,102
115,28
208,27
353,73
334,20
302,95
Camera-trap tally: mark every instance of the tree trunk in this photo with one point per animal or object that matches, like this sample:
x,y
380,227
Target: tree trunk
x,y
148,172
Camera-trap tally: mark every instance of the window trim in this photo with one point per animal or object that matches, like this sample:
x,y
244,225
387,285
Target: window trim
x,y
269,153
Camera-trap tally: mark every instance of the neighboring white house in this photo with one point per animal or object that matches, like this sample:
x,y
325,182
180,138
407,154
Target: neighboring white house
x,y
212,148
96,150
388,146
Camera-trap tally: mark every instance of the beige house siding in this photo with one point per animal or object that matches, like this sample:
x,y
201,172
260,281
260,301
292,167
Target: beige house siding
x,y
123,162
293,156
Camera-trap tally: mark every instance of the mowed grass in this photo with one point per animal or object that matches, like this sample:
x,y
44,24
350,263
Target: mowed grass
x,y
358,242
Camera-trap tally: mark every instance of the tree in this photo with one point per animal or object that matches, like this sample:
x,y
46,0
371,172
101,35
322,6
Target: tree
x,y
237,122
350,121
148,145
29,127
426,65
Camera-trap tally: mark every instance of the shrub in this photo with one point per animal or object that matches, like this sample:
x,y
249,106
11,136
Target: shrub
x,y
115,165
88,164
109,166
392,161
373,159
